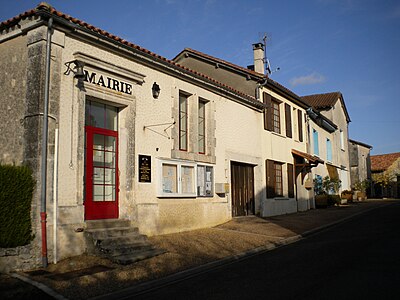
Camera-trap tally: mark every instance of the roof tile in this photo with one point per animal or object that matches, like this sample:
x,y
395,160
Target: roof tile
x,y
44,6
384,161
320,101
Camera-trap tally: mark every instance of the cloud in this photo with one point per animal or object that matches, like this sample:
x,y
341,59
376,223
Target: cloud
x,y
312,78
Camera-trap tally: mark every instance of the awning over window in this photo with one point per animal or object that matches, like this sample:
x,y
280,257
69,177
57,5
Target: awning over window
x,y
312,159
332,171
304,162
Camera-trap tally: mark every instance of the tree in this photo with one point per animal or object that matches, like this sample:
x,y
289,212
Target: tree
x,y
384,178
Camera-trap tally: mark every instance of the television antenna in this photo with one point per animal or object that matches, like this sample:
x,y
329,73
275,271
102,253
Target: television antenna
x,y
267,63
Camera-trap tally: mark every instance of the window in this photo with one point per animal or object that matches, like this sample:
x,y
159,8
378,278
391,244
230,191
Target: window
x,y
328,150
315,141
341,139
185,179
290,174
202,127
170,178
274,179
205,181
288,120
278,179
101,115
177,179
276,119
183,121
272,120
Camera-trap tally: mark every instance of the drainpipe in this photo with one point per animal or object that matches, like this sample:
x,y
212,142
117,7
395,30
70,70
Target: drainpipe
x,y
259,85
55,196
43,214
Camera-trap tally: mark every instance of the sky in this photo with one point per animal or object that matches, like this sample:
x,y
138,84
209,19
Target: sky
x,y
319,46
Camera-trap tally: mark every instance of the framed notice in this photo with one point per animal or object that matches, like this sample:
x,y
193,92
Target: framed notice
x,y
144,168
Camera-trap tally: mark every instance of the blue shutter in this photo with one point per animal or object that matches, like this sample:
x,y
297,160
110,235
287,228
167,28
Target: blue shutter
x,y
315,139
328,150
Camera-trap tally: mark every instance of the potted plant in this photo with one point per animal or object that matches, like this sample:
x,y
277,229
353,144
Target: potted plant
x,y
346,196
361,188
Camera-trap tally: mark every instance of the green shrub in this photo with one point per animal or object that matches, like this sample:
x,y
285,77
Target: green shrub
x,y
16,190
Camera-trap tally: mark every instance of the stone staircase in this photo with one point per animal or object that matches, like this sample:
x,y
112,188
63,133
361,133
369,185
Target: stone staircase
x,y
118,241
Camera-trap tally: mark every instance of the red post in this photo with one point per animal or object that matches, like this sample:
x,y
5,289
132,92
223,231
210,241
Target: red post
x,y
43,217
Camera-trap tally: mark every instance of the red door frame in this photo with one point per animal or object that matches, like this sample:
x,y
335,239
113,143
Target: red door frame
x,y
99,209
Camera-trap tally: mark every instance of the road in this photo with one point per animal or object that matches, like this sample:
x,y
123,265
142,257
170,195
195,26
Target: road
x,y
357,259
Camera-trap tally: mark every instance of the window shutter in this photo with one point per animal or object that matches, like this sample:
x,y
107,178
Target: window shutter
x,y
315,141
270,178
288,119
300,121
267,112
290,180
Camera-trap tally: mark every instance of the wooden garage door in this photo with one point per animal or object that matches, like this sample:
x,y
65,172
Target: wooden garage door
x,y
242,181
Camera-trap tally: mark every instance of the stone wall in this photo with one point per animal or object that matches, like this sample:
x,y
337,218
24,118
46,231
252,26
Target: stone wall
x,y
18,259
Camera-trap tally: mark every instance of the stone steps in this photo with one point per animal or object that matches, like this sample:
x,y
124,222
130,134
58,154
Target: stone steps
x,y
118,241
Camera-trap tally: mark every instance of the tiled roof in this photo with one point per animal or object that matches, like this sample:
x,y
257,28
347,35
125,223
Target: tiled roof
x,y
44,7
320,101
249,72
384,161
221,61
326,101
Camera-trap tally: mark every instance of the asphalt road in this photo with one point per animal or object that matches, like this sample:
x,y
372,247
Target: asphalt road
x,y
358,259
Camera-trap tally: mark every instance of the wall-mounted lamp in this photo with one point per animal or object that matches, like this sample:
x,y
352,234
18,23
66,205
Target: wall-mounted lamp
x,y
156,90
77,69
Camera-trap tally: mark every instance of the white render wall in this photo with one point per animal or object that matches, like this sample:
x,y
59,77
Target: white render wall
x,y
232,136
278,147
340,153
234,133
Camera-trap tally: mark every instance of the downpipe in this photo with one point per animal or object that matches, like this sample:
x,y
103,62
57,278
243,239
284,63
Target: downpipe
x,y
43,214
55,196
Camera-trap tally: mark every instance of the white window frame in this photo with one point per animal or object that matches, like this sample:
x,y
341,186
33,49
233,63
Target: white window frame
x,y
179,165
212,180
341,139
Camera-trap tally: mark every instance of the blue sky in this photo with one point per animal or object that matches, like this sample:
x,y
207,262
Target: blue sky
x,y
351,46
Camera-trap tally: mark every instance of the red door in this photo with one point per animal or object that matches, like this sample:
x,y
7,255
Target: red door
x,y
101,181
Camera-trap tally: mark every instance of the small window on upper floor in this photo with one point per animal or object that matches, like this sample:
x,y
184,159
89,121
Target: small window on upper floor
x,y
276,118
201,129
183,122
341,139
328,150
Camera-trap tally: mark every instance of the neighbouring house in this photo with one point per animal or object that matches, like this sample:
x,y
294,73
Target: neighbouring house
x,y
385,169
329,136
360,164
282,166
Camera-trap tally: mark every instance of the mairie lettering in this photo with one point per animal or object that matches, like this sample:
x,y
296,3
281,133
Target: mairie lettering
x,y
107,82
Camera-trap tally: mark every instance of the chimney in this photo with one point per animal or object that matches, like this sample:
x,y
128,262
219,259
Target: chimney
x,y
258,50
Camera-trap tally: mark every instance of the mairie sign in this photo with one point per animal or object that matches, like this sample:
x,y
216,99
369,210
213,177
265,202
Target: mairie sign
x,y
108,82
